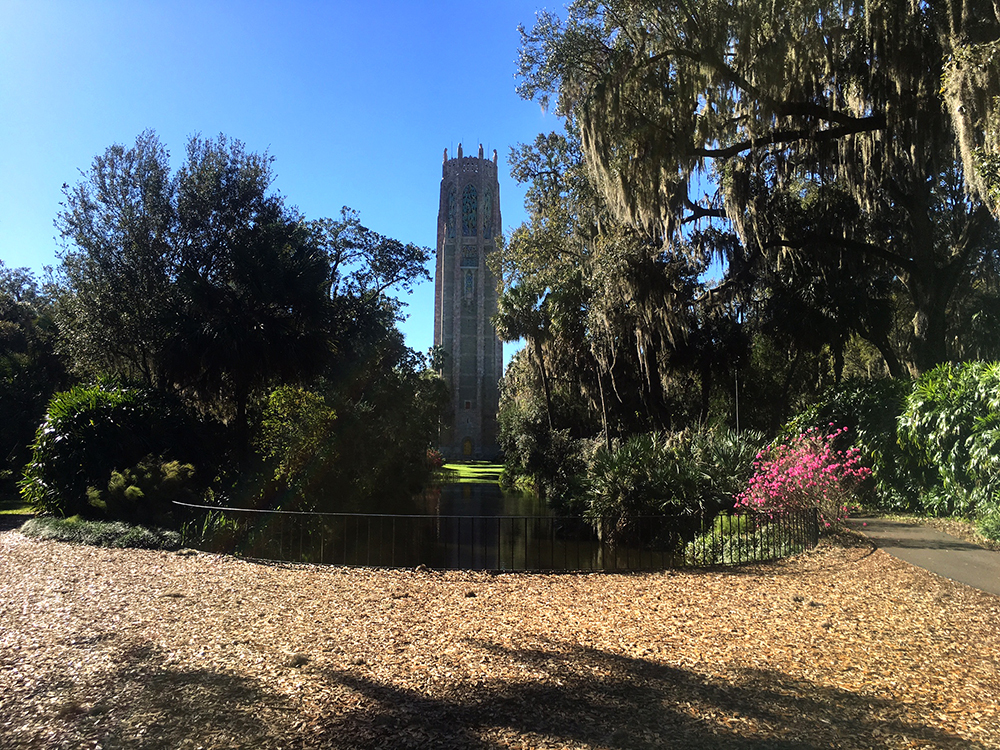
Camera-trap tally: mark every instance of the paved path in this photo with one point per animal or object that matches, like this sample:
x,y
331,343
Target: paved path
x,y
935,551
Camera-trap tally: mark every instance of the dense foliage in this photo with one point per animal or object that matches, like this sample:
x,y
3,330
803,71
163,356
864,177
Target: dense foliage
x,y
932,444
684,473
89,433
229,349
951,425
753,212
727,235
334,448
146,493
768,125
870,411
30,370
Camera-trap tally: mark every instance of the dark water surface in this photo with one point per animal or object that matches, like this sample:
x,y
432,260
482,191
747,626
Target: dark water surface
x,y
477,499
477,526
452,525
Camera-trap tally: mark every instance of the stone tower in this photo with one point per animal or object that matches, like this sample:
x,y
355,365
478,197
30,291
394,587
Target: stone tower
x,y
465,298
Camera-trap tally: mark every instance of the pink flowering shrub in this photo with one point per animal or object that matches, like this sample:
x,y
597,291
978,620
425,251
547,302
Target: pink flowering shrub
x,y
805,472
435,460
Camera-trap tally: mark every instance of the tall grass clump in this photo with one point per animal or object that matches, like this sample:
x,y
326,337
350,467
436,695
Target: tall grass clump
x,y
100,533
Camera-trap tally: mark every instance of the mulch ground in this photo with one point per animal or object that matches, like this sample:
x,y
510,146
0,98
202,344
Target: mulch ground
x,y
843,647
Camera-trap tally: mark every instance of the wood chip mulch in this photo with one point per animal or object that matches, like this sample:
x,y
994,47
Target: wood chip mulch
x,y
843,647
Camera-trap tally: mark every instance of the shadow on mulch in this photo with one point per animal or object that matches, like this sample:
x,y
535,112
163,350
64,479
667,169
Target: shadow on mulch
x,y
595,699
578,698
148,702
11,521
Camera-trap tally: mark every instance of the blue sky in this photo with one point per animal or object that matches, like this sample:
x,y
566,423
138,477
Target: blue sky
x,y
355,101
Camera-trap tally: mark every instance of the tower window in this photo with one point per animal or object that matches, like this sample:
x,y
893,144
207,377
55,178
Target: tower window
x,y
452,219
470,210
468,404
488,214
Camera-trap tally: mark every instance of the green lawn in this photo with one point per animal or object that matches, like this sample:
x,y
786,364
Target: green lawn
x,y
13,505
472,472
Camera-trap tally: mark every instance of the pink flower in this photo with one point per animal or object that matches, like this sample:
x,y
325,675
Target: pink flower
x,y
805,471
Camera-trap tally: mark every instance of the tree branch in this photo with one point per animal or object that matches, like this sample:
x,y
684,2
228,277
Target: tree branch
x,y
700,212
780,108
861,125
857,246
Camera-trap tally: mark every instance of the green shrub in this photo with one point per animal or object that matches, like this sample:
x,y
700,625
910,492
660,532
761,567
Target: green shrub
x,y
637,477
144,493
727,458
90,432
951,427
765,542
709,547
551,461
988,522
100,534
689,472
86,432
740,539
296,441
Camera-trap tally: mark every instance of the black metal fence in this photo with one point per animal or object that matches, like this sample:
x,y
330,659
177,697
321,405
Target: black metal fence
x,y
501,542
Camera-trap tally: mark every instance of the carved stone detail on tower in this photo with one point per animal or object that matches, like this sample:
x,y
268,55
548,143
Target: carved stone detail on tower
x,y
465,299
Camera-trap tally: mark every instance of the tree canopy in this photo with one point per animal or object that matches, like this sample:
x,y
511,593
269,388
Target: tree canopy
x,y
204,285
205,281
816,133
30,370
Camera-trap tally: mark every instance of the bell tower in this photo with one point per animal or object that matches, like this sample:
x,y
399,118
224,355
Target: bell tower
x,y
465,298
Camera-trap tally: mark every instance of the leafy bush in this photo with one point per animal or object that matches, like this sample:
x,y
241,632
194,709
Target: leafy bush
x,y
296,441
726,458
90,432
806,472
551,460
951,426
100,534
329,449
869,409
709,547
694,471
988,522
739,539
636,478
145,492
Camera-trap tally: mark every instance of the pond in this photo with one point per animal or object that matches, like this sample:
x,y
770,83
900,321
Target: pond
x,y
473,524
478,499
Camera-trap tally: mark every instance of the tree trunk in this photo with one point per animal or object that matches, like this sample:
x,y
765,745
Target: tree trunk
x,y
929,344
537,345
934,275
604,409
892,362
